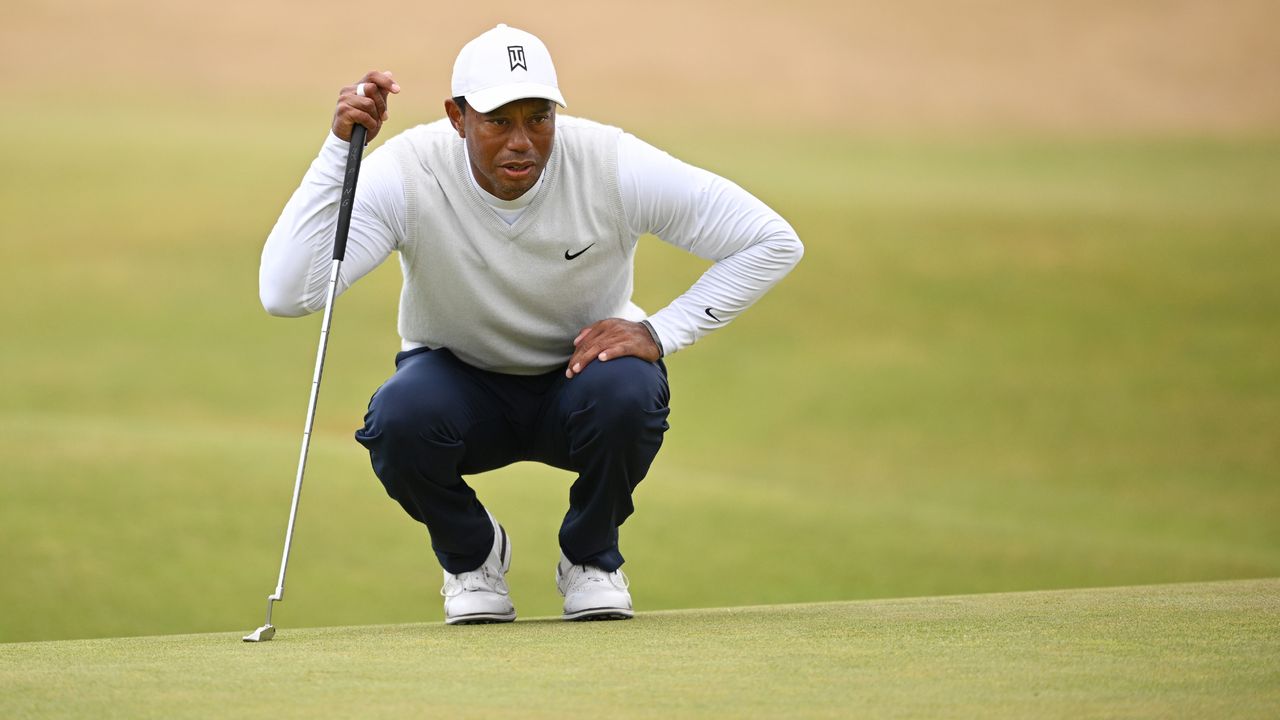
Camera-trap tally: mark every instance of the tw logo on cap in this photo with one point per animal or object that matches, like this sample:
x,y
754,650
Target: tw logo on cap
x,y
515,54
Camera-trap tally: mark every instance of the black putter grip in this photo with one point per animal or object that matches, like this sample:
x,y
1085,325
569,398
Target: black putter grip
x,y
354,155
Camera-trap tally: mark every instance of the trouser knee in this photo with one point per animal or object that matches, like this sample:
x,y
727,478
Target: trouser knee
x,y
410,440
623,400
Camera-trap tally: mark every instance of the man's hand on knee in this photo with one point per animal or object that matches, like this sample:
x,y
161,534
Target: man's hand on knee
x,y
609,339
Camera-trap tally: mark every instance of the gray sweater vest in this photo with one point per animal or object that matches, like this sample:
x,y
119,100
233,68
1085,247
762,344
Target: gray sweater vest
x,y
511,298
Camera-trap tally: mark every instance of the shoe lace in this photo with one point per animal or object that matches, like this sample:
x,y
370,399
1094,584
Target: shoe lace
x,y
481,579
578,577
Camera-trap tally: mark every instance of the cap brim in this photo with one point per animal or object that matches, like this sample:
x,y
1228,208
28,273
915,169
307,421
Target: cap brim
x,y
495,97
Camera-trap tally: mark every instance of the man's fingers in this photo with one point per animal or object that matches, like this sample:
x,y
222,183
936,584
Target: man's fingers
x,y
372,91
580,360
608,340
604,340
355,110
584,343
586,352
613,346
366,112
369,104
364,103
383,79
371,124
623,347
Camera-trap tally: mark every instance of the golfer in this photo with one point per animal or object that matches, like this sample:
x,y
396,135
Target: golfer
x,y
517,229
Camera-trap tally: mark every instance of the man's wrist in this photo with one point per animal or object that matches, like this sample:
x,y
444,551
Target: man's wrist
x,y
654,334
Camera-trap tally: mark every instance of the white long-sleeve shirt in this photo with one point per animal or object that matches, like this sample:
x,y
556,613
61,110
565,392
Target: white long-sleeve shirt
x,y
751,245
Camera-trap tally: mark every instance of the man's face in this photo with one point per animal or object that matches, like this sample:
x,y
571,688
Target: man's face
x,y
509,145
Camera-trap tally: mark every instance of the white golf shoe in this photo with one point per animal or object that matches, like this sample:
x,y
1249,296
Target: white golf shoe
x,y
481,595
591,593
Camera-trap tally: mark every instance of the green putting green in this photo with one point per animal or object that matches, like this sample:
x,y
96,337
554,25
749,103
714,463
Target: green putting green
x,y
1191,650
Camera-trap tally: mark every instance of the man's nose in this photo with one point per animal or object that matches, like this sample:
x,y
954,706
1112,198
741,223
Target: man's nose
x,y
518,140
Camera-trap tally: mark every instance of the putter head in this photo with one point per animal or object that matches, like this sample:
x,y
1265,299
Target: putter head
x,y
262,634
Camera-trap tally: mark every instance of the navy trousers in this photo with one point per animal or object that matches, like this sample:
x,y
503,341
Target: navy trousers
x,y
438,419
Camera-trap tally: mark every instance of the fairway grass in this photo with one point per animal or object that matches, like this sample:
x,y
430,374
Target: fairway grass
x,y
1189,650
1005,364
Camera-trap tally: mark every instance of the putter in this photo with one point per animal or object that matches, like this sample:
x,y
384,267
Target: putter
x,y
268,631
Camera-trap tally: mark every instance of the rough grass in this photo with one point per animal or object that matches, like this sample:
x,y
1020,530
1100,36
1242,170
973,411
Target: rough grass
x,y
1086,66
1198,650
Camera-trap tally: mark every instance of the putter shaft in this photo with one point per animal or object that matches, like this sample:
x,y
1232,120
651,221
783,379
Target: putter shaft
x,y
354,155
302,454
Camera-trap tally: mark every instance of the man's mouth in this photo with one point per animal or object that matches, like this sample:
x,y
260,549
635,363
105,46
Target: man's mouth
x,y
517,170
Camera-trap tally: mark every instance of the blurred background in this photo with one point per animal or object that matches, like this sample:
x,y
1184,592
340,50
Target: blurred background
x,y
1033,343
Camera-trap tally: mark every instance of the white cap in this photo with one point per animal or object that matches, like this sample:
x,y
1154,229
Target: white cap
x,y
502,65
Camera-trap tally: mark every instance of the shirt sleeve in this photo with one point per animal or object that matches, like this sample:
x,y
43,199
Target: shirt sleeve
x,y
296,261
751,245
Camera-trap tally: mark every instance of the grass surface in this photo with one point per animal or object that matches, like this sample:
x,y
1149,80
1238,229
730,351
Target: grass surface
x,y
1004,364
1196,650
1011,360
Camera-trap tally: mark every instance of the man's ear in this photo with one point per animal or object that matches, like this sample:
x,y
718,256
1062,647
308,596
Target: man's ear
x,y
455,116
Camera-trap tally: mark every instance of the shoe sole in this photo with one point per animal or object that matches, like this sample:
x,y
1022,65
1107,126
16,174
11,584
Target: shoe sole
x,y
600,614
481,619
